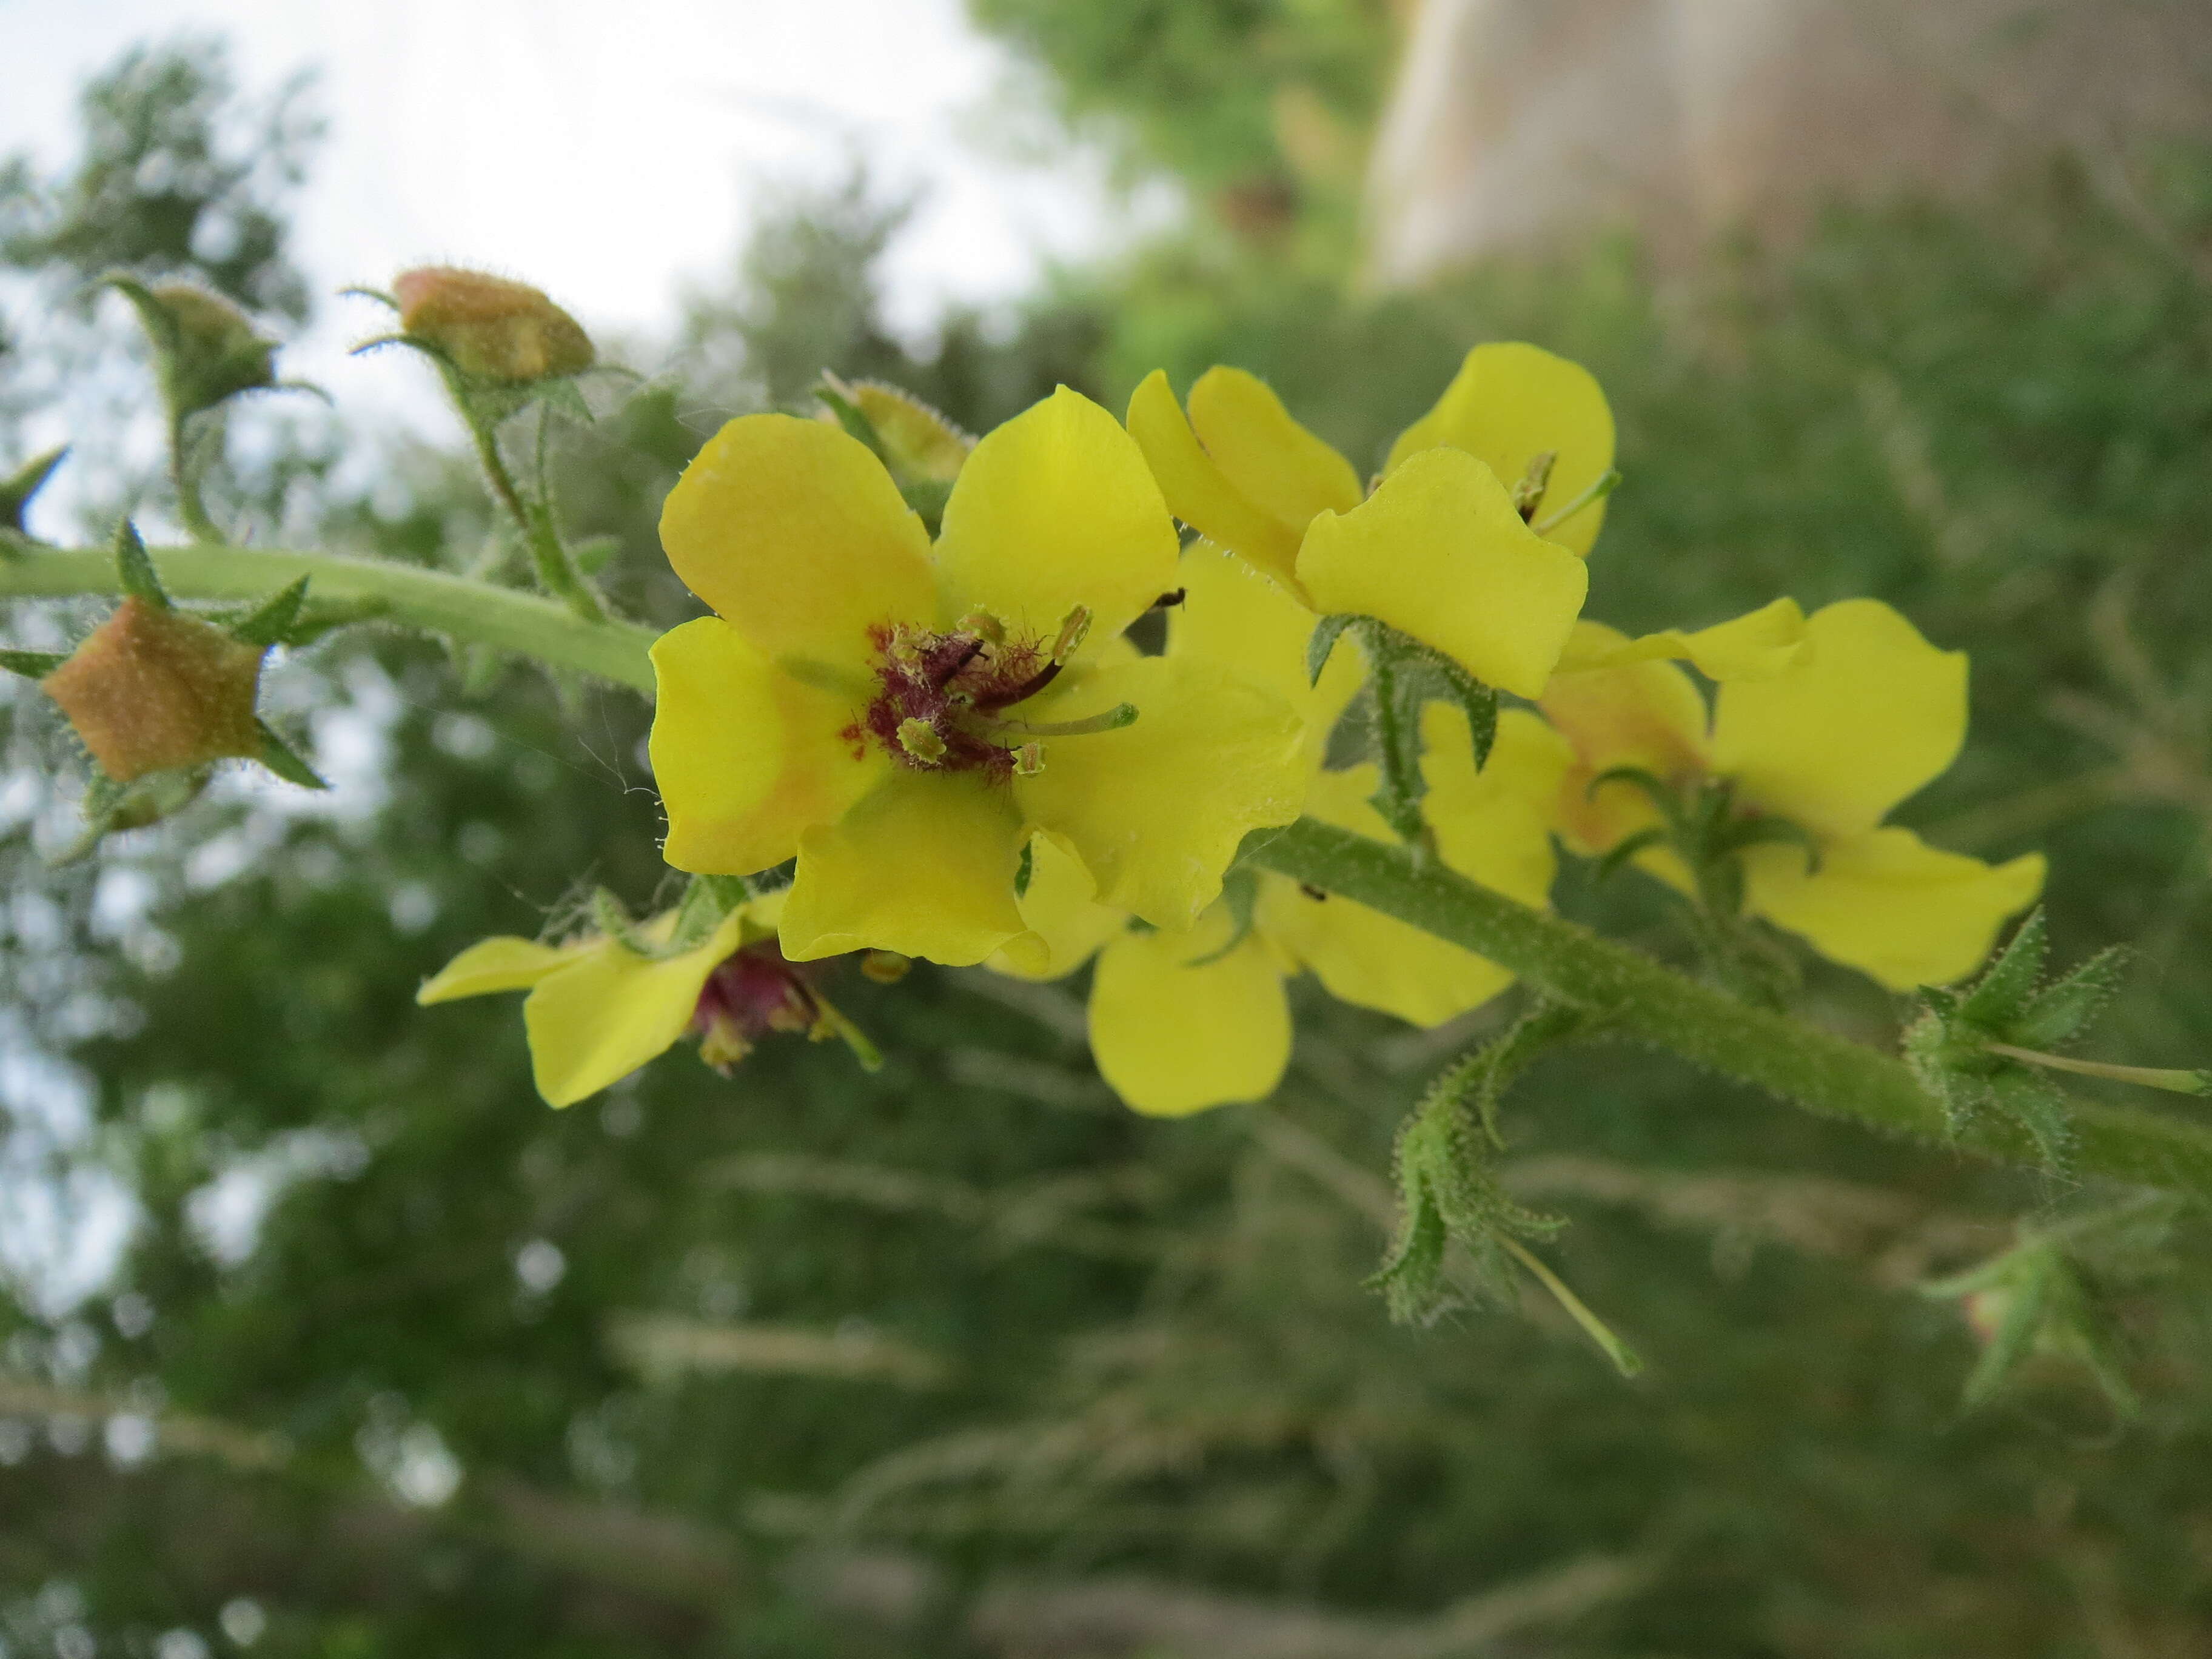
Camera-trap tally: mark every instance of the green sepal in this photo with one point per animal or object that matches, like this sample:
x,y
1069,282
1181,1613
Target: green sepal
x,y
134,567
32,665
707,900
2045,1303
1322,642
271,622
282,758
1615,857
1240,891
927,498
2059,1012
110,808
2004,987
25,482
594,553
481,667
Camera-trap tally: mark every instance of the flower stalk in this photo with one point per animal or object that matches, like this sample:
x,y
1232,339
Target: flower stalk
x,y
1640,998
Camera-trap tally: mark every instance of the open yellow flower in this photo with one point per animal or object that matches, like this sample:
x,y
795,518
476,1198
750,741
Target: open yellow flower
x,y
1444,550
600,1007
903,718
1870,714
1181,1020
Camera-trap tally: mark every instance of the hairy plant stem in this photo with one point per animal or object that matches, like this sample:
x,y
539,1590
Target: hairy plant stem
x,y
435,601
1641,999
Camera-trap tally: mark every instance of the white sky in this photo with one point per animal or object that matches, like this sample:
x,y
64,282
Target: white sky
x,y
603,148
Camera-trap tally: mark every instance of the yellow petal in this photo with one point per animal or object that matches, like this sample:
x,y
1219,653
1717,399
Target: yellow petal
x,y
924,866
1890,905
1272,460
1495,826
1057,508
1199,492
1756,646
1362,956
1156,809
1511,402
1060,911
504,964
795,533
1233,616
611,1010
1870,715
745,757
1438,552
1171,1038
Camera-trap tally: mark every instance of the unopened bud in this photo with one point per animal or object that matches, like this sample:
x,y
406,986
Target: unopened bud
x,y
206,349
490,328
152,689
919,442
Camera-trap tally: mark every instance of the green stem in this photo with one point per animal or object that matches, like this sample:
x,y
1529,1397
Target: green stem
x,y
436,601
1640,998
191,506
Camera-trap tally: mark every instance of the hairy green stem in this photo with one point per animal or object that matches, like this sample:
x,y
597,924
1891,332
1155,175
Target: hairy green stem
x,y
1643,1000
436,601
191,507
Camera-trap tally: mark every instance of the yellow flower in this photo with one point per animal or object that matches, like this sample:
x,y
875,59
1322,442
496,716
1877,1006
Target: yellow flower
x,y
903,718
1870,714
1182,1020
1465,543
1444,549
601,1006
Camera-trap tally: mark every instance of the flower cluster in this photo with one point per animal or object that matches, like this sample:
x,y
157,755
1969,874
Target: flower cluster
x,y
919,692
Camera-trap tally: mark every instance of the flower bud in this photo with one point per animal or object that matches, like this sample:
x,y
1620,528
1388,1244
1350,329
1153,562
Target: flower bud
x,y
207,349
151,689
487,327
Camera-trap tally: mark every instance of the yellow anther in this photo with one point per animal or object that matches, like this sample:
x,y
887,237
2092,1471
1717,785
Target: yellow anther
x,y
1029,760
921,741
1073,627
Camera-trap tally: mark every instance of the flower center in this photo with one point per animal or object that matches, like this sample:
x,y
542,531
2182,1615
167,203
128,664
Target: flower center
x,y
941,698
752,993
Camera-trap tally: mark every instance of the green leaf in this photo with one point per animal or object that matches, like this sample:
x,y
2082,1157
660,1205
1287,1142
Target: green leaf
x,y
135,568
1998,998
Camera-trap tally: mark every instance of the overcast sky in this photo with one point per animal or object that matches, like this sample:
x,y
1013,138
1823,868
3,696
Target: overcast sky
x,y
603,148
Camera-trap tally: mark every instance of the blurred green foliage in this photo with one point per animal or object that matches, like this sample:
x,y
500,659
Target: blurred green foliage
x,y
962,1359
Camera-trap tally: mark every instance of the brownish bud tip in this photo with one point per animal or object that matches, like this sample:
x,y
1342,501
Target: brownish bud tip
x,y
488,327
152,689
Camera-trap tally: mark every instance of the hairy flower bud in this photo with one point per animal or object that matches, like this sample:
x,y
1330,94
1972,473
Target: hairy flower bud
x,y
151,689
490,328
206,349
